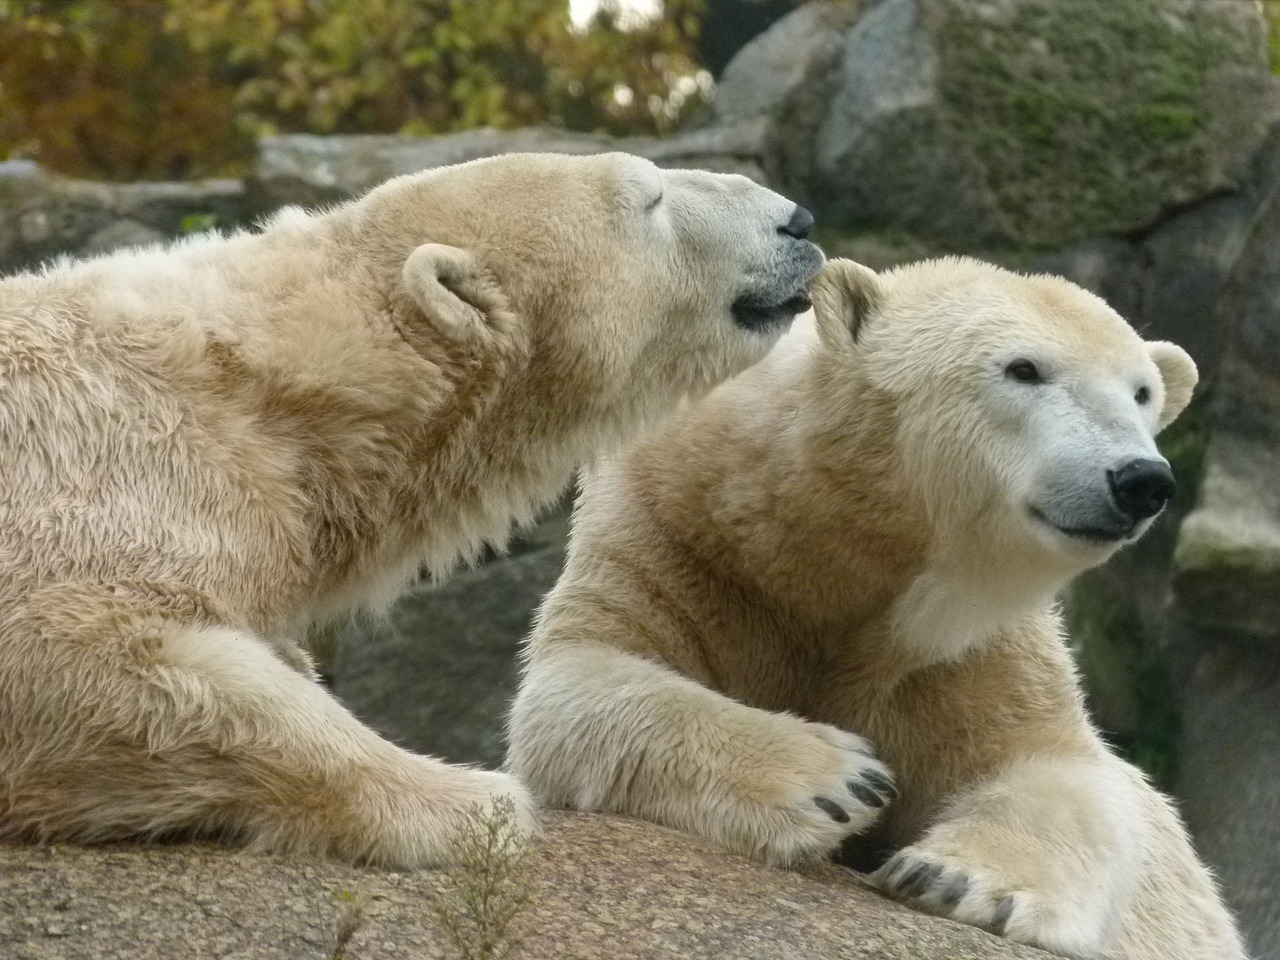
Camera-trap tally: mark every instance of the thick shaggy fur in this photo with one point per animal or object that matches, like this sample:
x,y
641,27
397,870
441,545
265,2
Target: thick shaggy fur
x,y
207,449
862,537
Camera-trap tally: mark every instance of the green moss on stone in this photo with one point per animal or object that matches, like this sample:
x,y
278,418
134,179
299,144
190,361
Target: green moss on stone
x,y
1107,635
1154,746
1081,114
1126,675
1271,9
884,247
1203,548
1183,444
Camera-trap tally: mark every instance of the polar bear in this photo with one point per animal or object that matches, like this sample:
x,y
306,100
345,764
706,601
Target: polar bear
x,y
207,449
862,537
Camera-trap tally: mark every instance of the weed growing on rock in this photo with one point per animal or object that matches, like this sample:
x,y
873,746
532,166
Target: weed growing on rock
x,y
484,898
347,919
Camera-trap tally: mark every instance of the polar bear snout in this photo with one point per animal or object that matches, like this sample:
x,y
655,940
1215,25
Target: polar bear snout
x,y
799,225
1141,488
1113,507
781,292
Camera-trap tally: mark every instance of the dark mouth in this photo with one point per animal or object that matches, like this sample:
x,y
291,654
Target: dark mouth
x,y
1101,536
751,313
772,306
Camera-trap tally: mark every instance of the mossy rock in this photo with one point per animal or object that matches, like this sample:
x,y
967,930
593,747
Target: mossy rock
x,y
1034,123
1091,116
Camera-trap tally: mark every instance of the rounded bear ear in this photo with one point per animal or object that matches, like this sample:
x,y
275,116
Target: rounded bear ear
x,y
1178,371
844,295
459,298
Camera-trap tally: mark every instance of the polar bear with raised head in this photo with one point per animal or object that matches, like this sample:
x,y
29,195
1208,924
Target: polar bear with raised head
x,y
206,449
862,537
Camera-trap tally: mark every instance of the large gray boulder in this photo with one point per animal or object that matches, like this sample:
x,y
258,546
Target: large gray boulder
x,y
596,888
1169,279
1229,777
1018,122
1229,549
1226,621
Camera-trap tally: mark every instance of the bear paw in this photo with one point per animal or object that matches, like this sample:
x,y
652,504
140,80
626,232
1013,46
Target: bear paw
x,y
947,887
941,886
434,822
822,786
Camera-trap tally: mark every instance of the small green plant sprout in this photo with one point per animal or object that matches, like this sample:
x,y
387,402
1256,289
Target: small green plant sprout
x,y
198,223
347,919
484,898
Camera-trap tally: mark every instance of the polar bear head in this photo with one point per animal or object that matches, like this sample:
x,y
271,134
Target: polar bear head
x,y
631,284
1025,408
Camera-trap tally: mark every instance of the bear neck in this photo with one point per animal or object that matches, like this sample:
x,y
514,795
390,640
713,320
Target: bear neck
x,y
456,474
870,561
796,468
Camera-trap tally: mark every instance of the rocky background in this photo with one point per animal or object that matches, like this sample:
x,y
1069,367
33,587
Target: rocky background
x,y
1130,145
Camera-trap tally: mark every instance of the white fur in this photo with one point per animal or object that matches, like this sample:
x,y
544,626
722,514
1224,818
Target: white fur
x,y
208,448
695,757
1061,839
852,536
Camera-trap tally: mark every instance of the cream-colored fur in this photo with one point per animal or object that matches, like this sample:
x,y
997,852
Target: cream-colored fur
x,y
864,534
207,449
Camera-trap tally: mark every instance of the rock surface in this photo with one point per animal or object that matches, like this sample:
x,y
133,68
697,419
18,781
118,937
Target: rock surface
x,y
1226,621
1228,782
437,674
601,888
1025,122
42,216
1228,555
311,170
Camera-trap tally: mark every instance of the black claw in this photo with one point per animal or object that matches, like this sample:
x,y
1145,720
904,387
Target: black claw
x,y
865,794
881,784
832,809
889,871
954,891
923,882
1004,909
908,880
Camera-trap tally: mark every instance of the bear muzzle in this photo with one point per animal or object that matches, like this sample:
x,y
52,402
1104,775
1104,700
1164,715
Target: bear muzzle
x,y
1141,488
783,291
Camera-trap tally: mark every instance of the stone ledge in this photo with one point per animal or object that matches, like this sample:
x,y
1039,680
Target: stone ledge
x,y
312,170
603,887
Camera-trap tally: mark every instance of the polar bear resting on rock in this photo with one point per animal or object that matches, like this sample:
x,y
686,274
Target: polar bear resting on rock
x,y
863,536
206,449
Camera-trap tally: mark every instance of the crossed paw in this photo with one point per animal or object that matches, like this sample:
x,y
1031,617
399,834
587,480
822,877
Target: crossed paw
x,y
943,886
950,887
818,786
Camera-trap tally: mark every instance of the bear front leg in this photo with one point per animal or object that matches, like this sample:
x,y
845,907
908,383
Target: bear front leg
x,y
146,726
596,728
1047,852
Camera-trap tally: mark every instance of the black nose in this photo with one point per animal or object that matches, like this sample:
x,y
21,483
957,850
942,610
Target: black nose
x,y
799,225
1141,488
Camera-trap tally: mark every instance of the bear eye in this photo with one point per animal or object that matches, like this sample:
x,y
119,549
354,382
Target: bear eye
x,y
1024,371
1142,396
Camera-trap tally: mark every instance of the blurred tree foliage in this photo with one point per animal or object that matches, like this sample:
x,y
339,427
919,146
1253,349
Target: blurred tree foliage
x,y
127,89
